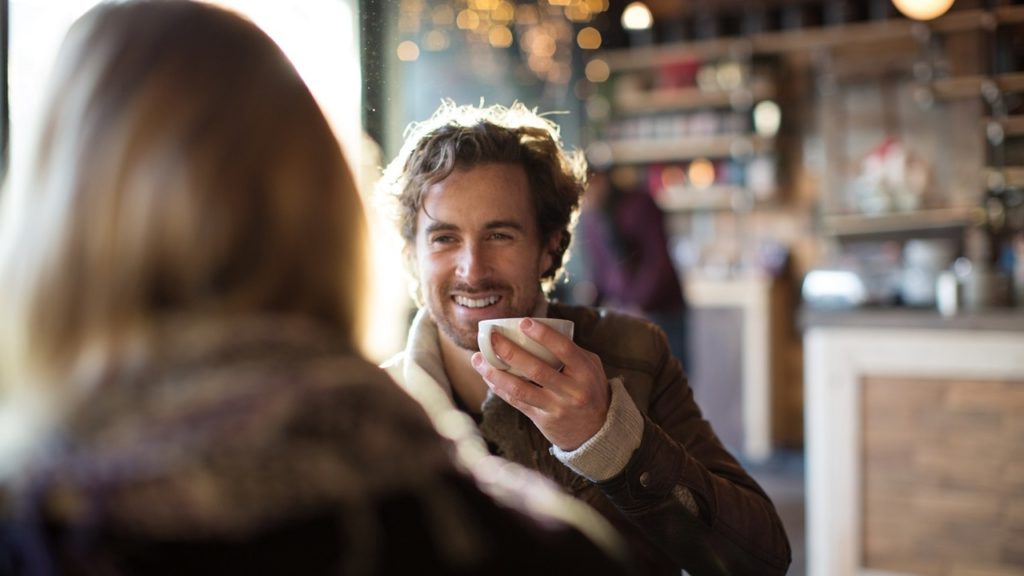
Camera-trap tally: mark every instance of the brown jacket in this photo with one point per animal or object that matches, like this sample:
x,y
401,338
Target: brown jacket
x,y
738,530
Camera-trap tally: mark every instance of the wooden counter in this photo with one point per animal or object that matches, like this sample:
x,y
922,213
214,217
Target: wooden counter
x,y
915,442
997,319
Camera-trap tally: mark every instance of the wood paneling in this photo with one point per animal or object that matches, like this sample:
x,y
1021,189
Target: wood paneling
x,y
943,476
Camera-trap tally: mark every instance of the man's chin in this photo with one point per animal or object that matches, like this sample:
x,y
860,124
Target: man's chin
x,y
462,337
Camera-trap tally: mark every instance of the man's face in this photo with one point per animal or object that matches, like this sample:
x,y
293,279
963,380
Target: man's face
x,y
479,254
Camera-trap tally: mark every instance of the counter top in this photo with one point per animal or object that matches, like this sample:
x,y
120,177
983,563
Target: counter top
x,y
996,319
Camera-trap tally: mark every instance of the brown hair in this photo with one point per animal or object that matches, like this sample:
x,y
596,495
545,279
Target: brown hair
x,y
465,136
183,170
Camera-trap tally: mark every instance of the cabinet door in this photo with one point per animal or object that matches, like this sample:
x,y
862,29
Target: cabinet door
x,y
731,360
716,370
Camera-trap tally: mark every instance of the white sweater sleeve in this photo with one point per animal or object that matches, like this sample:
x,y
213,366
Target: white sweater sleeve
x,y
608,451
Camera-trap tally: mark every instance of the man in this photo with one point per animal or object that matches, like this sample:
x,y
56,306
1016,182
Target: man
x,y
486,201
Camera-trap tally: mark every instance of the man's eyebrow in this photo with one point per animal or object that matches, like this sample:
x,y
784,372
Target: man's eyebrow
x,y
514,224
437,226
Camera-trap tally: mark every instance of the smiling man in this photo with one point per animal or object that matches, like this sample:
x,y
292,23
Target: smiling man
x,y
486,204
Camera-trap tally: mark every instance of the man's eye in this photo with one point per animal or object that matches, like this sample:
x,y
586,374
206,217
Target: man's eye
x,y
500,236
445,239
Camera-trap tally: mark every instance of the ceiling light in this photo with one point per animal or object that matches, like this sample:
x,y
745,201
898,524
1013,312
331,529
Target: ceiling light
x,y
637,16
922,9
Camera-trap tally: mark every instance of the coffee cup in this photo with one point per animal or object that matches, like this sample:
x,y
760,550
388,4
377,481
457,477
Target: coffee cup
x,y
509,328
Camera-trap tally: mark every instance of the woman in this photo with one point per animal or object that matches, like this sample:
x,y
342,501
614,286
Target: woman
x,y
181,389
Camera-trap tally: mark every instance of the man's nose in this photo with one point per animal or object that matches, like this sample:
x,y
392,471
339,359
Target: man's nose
x,y
472,263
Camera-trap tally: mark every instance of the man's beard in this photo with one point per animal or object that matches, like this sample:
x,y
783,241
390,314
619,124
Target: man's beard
x,y
460,337
466,336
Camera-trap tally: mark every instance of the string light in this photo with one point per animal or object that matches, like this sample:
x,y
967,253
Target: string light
x,y
597,70
408,51
543,30
589,38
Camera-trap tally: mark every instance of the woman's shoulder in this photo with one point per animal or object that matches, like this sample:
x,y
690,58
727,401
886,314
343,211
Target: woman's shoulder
x,y
237,436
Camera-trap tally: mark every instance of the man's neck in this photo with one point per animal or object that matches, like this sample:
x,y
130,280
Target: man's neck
x,y
467,384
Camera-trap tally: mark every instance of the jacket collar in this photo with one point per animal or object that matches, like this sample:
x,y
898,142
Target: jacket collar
x,y
423,353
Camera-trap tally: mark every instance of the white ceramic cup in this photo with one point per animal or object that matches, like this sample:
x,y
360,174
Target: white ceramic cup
x,y
509,328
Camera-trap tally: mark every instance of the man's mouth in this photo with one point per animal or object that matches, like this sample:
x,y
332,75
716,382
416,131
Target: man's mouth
x,y
484,302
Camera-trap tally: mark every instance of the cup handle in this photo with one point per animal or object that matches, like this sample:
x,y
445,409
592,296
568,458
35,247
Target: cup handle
x,y
488,351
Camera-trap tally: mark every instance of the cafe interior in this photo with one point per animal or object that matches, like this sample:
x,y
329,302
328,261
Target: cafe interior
x,y
841,189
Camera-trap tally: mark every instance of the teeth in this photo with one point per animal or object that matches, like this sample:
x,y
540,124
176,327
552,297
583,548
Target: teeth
x,y
475,302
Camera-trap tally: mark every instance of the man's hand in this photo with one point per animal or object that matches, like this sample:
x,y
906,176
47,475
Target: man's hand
x,y
567,406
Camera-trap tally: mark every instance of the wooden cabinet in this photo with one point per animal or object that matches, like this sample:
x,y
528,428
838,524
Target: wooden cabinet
x,y
914,429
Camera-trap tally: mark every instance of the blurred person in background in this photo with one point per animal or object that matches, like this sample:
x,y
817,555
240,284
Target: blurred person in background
x,y
181,384
625,247
485,199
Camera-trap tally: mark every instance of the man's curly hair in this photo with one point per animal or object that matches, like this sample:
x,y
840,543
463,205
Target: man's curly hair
x,y
460,137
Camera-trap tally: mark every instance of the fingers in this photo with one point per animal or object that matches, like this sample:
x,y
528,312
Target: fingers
x,y
523,362
528,375
576,363
562,347
568,407
566,416
526,397
540,366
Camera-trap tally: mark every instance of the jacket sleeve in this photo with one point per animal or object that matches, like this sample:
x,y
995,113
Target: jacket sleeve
x,y
680,460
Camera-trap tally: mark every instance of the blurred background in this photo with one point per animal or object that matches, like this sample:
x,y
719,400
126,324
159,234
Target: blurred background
x,y
838,198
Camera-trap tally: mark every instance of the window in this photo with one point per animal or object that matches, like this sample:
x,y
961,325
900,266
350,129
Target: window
x,y
319,36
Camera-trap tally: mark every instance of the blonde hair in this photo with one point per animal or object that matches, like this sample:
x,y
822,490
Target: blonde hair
x,y
465,136
183,170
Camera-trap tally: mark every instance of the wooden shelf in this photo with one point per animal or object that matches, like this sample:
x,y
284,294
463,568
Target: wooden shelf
x,y
970,86
1014,175
699,199
1012,82
1012,125
920,220
663,99
808,39
1010,14
682,149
